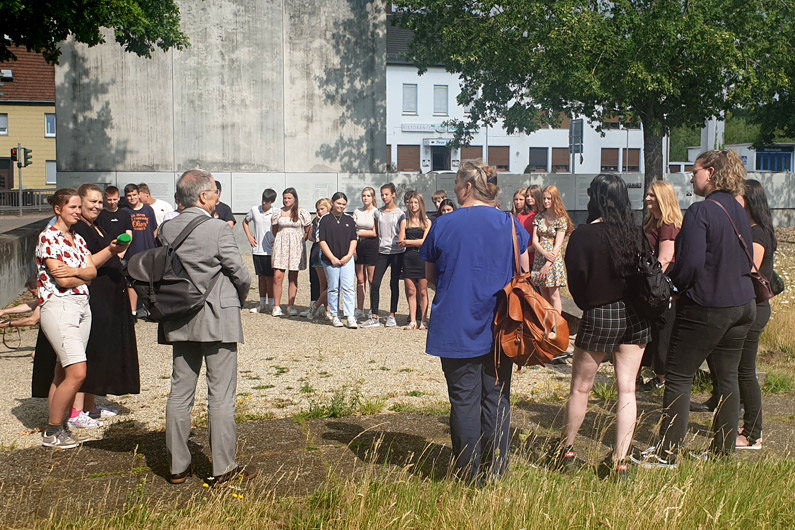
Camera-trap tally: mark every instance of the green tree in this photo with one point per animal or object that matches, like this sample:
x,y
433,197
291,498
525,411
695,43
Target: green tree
x,y
666,63
139,25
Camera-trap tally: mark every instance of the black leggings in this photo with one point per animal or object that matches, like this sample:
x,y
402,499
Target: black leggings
x,y
395,261
750,393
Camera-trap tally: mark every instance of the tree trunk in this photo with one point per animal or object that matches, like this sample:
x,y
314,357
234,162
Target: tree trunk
x,y
652,154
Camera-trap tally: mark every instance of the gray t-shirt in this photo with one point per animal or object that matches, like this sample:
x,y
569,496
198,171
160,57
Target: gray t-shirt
x,y
389,230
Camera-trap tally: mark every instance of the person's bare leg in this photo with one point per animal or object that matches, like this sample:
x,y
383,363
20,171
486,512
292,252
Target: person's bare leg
x,y
57,379
583,372
292,287
268,286
133,299
627,359
423,294
263,287
323,284
361,286
278,280
554,298
65,392
411,296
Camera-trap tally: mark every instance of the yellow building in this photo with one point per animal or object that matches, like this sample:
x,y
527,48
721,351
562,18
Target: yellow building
x,y
27,117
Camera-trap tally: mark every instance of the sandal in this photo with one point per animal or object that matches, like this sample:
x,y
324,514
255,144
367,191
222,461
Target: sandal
x,y
423,325
411,326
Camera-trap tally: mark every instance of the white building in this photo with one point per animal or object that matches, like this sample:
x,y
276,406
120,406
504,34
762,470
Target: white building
x,y
418,106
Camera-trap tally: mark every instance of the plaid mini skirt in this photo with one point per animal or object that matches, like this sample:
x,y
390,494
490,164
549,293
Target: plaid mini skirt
x,y
603,328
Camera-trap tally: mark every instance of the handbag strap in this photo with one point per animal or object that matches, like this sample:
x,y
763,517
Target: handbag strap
x,y
517,267
737,232
190,227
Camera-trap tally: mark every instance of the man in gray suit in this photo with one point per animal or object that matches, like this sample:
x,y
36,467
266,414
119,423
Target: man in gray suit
x,y
211,334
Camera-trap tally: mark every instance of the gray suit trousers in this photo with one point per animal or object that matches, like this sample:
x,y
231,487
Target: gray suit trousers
x,y
221,359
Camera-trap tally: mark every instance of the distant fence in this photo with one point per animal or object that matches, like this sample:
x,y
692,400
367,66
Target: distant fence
x,y
32,200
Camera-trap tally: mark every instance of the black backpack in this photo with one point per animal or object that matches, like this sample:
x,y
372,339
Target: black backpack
x,y
162,284
650,289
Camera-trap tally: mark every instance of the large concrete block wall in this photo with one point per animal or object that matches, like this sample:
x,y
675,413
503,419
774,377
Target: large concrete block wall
x,y
18,259
267,86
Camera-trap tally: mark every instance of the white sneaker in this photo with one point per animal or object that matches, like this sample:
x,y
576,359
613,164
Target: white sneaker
x,y
371,323
390,322
277,311
336,322
100,412
84,421
329,316
308,313
264,309
351,323
293,312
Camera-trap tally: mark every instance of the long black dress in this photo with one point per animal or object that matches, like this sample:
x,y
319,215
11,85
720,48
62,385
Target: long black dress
x,y
112,352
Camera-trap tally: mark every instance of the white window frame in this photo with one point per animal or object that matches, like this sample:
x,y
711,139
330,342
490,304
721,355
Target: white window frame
x,y
408,88
47,133
51,164
4,128
441,104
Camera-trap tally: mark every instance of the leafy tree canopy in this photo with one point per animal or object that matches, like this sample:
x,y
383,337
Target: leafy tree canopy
x,y
39,25
667,63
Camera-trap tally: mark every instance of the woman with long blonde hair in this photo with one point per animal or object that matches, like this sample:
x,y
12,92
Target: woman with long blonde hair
x,y
551,228
662,225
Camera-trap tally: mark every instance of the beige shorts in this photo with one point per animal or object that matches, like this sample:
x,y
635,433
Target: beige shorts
x,y
66,322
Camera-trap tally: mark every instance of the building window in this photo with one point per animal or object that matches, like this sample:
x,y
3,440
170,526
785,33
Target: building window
x,y
472,152
500,157
631,160
51,173
560,160
408,157
773,161
409,98
609,159
3,124
440,100
538,160
6,173
49,125
388,157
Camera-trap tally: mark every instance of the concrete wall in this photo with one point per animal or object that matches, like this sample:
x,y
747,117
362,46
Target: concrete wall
x,y
18,259
267,86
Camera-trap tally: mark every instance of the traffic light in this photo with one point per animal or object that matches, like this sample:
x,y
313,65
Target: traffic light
x,y
13,154
28,156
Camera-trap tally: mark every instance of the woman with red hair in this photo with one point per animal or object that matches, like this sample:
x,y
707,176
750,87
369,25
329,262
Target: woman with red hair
x,y
551,226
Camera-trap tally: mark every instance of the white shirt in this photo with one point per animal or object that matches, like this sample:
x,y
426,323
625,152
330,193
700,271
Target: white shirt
x,y
261,230
161,208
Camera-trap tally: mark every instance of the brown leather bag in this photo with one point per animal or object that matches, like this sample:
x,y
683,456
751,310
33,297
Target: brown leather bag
x,y
526,327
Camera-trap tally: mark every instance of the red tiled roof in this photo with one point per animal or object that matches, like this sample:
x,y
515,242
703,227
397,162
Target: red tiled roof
x,y
34,79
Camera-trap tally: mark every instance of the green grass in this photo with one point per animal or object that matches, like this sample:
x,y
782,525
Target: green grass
x,y
728,494
306,388
441,408
606,392
778,383
262,387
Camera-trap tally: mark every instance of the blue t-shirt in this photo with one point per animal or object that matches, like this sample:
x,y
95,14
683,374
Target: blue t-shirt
x,y
473,252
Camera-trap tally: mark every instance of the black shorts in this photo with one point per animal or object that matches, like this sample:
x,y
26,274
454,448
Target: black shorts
x,y
315,255
262,266
367,251
603,328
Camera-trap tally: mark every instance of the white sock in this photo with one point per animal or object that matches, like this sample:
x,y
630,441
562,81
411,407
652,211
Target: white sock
x,y
134,313
263,300
270,301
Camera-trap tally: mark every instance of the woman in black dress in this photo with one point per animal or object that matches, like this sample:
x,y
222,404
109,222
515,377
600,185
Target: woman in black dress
x,y
112,353
413,230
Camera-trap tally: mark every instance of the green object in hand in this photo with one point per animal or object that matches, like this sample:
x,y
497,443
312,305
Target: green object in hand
x,y
123,239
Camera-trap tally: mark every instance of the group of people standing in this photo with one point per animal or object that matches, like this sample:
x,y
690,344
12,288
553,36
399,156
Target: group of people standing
x,y
467,254
350,255
713,315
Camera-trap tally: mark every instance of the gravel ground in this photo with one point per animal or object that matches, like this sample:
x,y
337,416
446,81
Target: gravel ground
x,y
285,366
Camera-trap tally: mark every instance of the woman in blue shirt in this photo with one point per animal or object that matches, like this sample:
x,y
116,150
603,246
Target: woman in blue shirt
x,y
470,255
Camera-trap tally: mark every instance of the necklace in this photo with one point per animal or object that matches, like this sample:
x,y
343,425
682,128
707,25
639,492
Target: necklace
x,y
338,219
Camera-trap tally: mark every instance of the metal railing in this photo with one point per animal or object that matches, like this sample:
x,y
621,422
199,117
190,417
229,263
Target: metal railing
x,y
32,200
